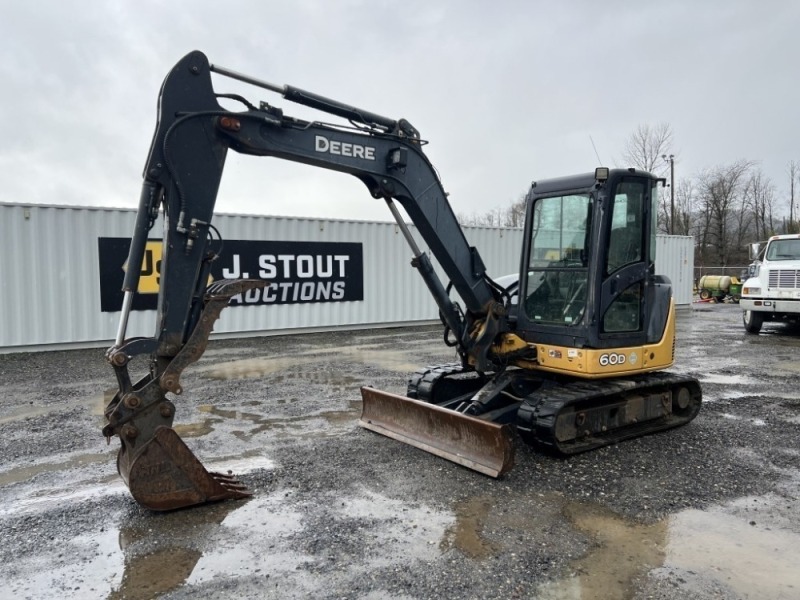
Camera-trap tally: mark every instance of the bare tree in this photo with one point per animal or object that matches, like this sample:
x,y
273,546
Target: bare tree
x,y
645,147
760,194
794,170
684,202
512,215
491,218
722,200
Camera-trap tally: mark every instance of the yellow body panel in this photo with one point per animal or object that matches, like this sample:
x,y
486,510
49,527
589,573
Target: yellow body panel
x,y
609,362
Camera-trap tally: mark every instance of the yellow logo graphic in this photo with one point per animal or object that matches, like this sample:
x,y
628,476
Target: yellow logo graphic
x,y
151,268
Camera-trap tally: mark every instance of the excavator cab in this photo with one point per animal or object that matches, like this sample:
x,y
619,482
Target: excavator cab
x,y
588,277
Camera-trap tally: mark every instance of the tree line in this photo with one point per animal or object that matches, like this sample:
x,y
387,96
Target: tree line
x,y
724,207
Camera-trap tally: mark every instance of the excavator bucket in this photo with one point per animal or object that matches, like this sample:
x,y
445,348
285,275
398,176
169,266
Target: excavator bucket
x,y
474,443
165,475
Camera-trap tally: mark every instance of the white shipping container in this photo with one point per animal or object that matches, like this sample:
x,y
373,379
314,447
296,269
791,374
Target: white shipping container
x,y
50,271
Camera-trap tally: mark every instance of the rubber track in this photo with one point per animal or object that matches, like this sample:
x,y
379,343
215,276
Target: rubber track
x,y
423,381
538,413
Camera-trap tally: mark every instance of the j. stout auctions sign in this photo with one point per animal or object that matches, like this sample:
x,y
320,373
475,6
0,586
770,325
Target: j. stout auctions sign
x,y
297,272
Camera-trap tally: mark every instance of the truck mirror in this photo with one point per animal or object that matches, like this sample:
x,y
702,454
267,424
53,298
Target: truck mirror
x,y
755,250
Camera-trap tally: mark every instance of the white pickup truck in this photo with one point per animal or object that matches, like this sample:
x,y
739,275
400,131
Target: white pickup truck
x,y
772,289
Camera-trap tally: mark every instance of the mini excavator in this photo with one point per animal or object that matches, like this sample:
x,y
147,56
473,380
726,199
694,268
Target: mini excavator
x,y
571,356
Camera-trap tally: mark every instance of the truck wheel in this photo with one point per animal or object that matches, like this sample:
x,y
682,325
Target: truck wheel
x,y
752,321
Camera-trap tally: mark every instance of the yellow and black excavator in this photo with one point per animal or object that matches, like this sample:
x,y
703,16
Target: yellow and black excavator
x,y
572,355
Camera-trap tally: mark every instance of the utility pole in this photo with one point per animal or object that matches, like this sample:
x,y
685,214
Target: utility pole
x,y
671,160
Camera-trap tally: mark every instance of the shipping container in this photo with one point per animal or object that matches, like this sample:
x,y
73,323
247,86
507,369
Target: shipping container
x,y
55,259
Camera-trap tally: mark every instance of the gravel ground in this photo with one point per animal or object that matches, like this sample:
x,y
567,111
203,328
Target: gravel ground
x,y
704,511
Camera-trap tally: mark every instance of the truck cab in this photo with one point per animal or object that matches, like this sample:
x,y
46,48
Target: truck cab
x,y
772,289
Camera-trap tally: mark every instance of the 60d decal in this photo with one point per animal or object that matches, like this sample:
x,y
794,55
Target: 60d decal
x,y
612,359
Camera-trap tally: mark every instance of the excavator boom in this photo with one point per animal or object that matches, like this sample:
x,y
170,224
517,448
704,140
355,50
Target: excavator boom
x,y
182,177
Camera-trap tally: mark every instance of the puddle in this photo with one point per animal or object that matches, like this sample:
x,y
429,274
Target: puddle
x,y
96,404
257,423
756,422
722,545
46,498
292,368
466,534
620,552
193,430
139,558
727,379
25,473
398,361
399,532
747,547
727,394
220,352
94,566
172,551
281,370
332,381
25,412
150,575
251,368
786,366
753,560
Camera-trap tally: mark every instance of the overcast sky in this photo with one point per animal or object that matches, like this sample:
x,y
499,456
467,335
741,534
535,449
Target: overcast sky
x,y
505,92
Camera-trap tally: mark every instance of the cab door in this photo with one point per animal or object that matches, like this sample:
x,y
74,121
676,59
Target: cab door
x,y
627,266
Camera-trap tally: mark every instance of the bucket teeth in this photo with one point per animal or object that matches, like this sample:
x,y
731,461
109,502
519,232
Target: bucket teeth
x,y
231,482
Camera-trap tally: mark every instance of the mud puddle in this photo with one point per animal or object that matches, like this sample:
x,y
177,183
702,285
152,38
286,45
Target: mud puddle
x,y
95,403
35,498
620,552
719,548
751,559
25,473
725,379
262,539
246,424
305,366
742,546
379,356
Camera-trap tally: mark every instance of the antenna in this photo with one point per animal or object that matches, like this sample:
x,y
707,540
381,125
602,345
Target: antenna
x,y
595,151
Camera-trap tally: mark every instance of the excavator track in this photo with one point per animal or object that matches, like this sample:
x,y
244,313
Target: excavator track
x,y
569,418
443,384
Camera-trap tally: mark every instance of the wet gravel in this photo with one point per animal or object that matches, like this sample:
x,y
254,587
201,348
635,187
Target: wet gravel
x,y
340,512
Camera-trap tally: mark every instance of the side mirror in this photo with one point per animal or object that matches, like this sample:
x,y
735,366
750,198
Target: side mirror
x,y
755,250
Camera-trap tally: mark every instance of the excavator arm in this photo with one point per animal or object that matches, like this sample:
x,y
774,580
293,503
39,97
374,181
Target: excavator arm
x,y
182,175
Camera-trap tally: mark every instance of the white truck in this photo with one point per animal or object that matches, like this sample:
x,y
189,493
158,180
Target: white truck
x,y
771,291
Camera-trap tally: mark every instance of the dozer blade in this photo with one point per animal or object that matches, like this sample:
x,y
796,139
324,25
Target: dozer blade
x,y
479,445
166,475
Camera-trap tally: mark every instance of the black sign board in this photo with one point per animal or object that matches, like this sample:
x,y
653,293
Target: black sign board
x,y
297,272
